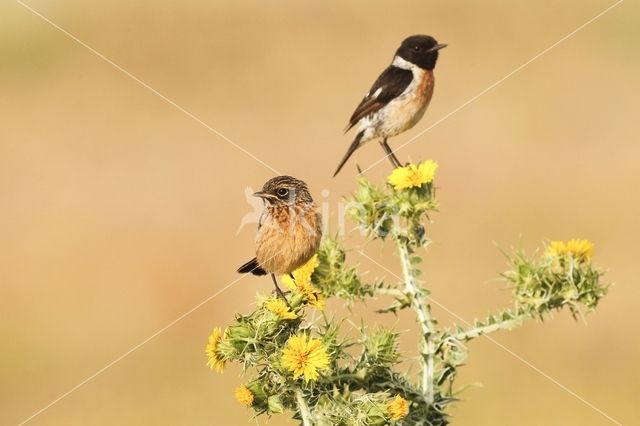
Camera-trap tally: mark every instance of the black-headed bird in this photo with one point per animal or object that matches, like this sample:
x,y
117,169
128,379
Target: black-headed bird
x,y
398,98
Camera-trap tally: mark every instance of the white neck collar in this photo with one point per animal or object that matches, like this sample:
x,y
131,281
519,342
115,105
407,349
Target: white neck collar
x,y
403,63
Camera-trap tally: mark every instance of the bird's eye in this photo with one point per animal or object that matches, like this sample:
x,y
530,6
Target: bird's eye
x,y
417,48
282,192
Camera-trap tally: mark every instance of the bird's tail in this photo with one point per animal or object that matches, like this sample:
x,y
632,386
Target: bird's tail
x,y
252,267
352,148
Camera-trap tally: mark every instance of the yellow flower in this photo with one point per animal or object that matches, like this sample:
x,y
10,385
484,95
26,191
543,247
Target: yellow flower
x,y
579,249
301,282
556,249
214,360
315,299
304,356
398,408
288,282
244,395
413,175
312,295
302,274
280,308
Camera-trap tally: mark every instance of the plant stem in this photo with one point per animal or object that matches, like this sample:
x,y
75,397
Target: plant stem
x,y
472,333
424,319
305,414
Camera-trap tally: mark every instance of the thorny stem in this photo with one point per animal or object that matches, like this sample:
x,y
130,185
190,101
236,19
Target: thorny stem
x,y
305,414
472,333
424,319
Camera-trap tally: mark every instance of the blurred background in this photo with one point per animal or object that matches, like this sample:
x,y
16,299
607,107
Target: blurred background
x,y
120,213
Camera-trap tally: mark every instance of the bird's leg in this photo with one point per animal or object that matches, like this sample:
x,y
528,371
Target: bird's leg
x,y
278,291
392,157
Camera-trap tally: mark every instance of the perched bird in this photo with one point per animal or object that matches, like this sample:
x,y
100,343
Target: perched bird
x,y
398,98
289,229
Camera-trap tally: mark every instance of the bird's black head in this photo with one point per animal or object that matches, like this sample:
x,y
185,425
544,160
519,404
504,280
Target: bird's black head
x,y
421,50
285,190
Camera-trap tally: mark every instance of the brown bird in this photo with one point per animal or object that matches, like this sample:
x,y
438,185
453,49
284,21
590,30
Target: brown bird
x,y
289,230
398,98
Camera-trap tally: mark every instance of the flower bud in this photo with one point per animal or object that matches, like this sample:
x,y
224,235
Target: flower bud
x,y
239,331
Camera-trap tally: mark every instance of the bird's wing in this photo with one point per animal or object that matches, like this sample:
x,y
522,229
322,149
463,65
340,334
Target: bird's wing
x,y
391,83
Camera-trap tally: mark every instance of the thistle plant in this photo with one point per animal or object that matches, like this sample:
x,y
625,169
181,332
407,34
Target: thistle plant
x,y
322,375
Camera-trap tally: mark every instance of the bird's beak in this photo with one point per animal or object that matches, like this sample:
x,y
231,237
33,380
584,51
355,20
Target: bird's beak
x,y
437,47
263,195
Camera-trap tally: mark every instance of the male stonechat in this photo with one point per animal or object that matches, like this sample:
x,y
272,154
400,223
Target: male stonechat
x,y
398,98
289,229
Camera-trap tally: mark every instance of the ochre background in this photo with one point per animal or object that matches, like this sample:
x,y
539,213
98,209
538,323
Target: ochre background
x,y
118,212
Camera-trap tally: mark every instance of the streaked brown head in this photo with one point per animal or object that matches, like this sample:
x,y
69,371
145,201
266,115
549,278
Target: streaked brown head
x,y
284,191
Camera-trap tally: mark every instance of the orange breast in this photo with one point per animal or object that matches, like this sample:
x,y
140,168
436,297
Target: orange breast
x,y
425,88
288,238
